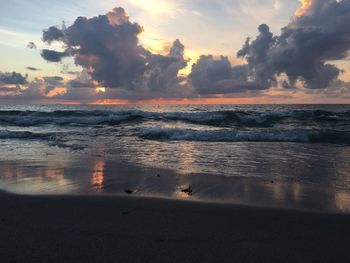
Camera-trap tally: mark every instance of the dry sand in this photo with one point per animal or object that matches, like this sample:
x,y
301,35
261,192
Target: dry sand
x,y
128,229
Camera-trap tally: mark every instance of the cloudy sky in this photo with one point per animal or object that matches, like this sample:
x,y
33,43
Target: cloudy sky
x,y
185,51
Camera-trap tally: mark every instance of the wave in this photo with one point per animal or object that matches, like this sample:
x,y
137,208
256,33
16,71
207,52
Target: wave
x,y
51,138
226,135
227,118
74,141
5,134
84,118
258,119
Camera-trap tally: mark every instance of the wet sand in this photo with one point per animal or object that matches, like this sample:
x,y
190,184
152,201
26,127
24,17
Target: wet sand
x,y
103,176
133,229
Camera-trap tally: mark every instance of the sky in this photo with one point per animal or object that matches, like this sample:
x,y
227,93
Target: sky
x,y
185,51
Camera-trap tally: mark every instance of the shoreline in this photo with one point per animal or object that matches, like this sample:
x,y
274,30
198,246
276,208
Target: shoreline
x,y
103,176
101,228
156,198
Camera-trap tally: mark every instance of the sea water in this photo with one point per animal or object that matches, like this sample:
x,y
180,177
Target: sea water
x,y
219,149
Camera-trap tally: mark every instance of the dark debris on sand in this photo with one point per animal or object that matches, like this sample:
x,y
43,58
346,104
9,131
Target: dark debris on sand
x,y
129,191
188,190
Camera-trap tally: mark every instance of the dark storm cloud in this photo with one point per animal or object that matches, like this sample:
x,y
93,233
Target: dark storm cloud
x,y
31,45
301,52
162,71
256,54
53,56
214,76
54,80
13,78
32,68
207,72
82,81
52,34
107,48
304,46
80,84
107,45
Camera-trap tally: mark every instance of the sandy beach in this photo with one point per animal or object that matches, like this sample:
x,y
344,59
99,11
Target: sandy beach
x,y
134,229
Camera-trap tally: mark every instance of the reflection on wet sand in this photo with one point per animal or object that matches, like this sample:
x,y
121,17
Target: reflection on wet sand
x,y
342,200
34,178
103,176
297,189
255,191
97,176
320,164
283,191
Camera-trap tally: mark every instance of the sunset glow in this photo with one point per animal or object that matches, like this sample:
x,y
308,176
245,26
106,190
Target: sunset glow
x,y
165,52
100,89
175,131
304,8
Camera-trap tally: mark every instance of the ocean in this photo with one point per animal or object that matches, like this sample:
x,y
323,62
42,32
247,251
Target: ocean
x,y
284,155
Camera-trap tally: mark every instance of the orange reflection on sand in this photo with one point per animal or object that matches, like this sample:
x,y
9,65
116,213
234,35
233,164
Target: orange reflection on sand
x,y
296,191
282,191
278,191
97,176
342,201
53,174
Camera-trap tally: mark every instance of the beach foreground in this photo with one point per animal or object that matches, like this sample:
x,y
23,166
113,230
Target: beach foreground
x,y
128,229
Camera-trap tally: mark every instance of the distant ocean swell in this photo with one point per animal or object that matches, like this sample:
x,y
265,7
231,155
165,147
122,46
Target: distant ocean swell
x,y
211,118
220,135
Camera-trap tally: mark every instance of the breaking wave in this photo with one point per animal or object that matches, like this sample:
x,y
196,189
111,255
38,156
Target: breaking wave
x,y
51,138
226,135
213,118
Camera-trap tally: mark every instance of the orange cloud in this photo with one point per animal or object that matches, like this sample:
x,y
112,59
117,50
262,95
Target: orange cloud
x,y
57,91
306,4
